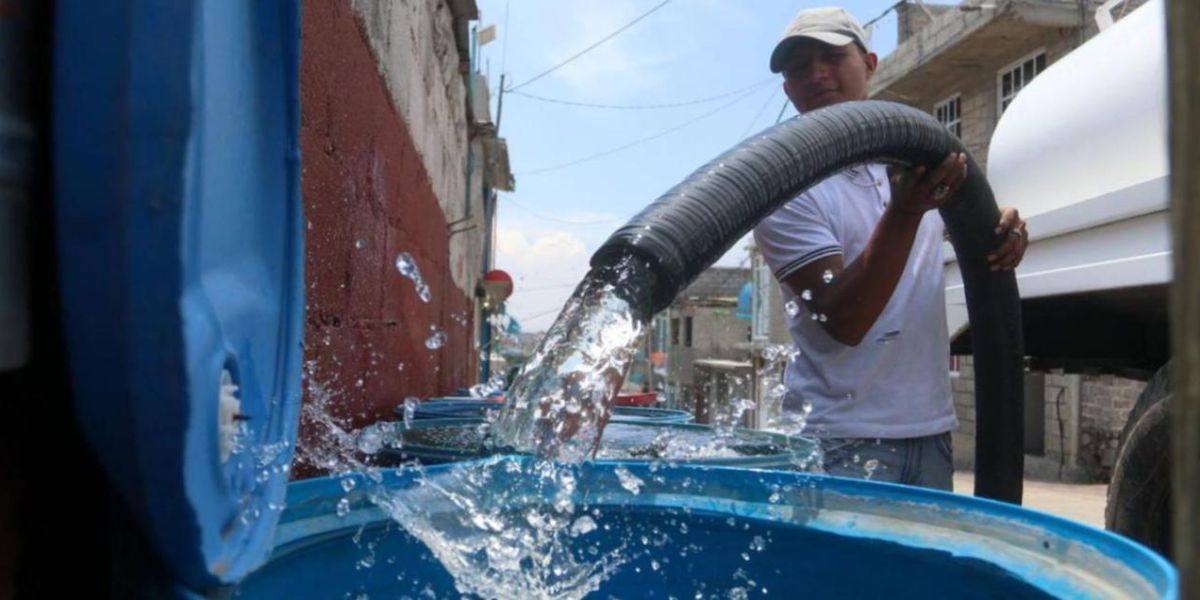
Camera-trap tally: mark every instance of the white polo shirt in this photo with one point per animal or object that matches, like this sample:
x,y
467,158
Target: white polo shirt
x,y
895,383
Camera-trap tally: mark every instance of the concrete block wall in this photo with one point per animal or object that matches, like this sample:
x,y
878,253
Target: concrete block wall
x,y
1107,402
383,137
1083,419
414,45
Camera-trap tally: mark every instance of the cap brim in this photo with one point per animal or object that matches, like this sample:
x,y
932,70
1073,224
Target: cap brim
x,y
783,49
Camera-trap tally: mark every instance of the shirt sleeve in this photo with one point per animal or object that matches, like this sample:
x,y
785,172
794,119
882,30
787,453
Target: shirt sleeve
x,y
797,234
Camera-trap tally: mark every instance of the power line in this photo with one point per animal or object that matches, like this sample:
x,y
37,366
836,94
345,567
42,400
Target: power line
x,y
757,114
645,106
543,288
504,43
541,314
589,48
639,141
558,220
783,108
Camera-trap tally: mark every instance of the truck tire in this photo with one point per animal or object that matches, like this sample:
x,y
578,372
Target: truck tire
x,y
1159,386
1139,495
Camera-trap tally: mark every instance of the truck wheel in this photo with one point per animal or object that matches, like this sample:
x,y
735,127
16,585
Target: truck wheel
x,y
1139,495
1159,386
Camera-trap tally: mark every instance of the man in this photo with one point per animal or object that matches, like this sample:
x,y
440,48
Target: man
x,y
859,258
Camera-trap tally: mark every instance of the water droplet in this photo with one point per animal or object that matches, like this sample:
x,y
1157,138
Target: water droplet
x,y
343,507
410,410
654,565
400,366
348,484
815,316
360,244
629,481
827,276
407,266
436,340
758,544
791,308
582,526
358,383
870,467
821,317
806,295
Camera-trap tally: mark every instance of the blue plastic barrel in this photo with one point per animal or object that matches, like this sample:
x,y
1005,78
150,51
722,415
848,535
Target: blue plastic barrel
x,y
451,407
180,241
731,533
437,441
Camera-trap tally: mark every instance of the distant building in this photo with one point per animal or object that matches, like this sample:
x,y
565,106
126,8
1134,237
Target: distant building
x,y
702,323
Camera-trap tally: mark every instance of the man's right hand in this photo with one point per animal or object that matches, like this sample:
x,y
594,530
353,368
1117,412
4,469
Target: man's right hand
x,y
917,190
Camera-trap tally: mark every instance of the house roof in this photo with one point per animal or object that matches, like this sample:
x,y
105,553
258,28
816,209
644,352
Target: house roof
x,y
716,283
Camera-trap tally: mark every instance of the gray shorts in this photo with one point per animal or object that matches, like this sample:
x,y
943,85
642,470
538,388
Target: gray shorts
x,y
925,461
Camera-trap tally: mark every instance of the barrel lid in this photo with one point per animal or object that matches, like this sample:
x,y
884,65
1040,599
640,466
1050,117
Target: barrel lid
x,y
180,240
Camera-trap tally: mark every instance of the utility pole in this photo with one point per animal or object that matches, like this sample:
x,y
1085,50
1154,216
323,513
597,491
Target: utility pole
x,y
1183,59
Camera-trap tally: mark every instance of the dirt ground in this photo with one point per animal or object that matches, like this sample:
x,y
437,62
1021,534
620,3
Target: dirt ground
x,y
1081,502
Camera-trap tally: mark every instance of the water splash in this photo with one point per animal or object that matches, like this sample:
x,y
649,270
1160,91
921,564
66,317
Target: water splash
x,y
560,401
511,528
407,265
488,524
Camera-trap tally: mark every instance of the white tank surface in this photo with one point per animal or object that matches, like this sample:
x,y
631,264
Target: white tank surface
x,y
1093,123
1082,153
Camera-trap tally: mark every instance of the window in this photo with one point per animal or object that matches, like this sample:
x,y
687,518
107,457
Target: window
x,y
1016,76
687,332
949,114
675,331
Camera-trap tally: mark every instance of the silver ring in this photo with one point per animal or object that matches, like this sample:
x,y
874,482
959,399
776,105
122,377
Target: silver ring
x,y
940,191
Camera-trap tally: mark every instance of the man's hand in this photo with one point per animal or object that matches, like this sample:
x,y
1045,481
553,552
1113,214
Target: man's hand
x,y
1016,240
917,190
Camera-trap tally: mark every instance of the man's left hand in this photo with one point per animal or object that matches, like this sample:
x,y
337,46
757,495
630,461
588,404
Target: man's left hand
x,y
1016,239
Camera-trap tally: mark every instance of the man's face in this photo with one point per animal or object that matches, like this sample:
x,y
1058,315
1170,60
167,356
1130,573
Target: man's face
x,y
819,75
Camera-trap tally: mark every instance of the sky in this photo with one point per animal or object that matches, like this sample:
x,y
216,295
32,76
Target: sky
x,y
687,50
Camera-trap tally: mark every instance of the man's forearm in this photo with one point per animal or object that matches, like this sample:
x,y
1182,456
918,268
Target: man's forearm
x,y
855,298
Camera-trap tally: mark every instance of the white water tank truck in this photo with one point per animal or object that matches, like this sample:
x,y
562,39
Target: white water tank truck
x,y
1082,153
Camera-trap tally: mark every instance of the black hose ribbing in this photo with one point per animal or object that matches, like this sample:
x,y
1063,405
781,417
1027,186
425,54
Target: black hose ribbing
x,y
683,232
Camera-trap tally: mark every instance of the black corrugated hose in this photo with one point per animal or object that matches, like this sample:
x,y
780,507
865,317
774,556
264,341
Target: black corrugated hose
x,y
668,244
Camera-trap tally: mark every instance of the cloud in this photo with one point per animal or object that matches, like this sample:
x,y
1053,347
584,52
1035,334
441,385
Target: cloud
x,y
545,264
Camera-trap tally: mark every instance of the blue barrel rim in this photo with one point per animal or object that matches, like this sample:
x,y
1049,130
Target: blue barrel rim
x,y
745,494
154,136
429,454
469,407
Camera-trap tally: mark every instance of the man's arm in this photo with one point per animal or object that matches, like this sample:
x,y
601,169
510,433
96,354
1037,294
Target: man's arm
x,y
851,297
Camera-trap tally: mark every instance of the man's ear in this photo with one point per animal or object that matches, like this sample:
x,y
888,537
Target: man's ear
x,y
872,61
789,92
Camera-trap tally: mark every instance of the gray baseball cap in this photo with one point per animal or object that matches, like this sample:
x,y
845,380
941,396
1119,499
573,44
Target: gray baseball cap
x,y
831,25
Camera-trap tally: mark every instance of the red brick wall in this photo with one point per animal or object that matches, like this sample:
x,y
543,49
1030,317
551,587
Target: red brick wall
x,y
365,185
